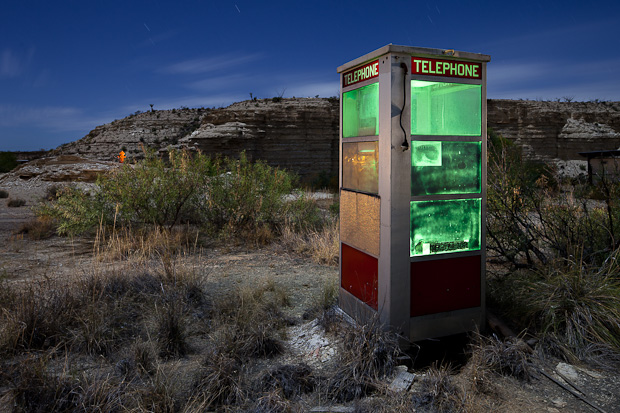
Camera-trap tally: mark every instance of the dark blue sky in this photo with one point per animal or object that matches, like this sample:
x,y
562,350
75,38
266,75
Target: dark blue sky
x,y
67,66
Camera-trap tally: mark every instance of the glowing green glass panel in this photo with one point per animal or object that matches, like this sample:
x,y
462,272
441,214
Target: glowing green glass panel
x,y
439,227
445,167
360,111
360,166
439,108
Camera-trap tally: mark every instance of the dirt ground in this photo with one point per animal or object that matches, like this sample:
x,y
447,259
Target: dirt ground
x,y
22,260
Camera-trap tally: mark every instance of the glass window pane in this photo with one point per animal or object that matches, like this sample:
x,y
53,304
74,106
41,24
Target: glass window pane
x,y
360,166
439,108
439,227
360,111
359,221
445,167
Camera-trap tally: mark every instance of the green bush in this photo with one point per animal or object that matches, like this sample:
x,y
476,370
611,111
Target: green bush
x,y
246,198
533,219
226,196
8,161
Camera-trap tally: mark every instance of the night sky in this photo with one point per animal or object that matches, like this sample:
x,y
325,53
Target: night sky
x,y
69,66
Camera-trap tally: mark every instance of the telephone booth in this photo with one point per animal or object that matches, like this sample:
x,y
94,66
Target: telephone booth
x,y
413,189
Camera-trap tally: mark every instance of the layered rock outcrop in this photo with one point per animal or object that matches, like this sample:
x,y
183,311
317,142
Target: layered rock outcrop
x,y
556,130
302,134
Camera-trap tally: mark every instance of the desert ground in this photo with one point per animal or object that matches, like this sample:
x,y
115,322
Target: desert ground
x,y
226,267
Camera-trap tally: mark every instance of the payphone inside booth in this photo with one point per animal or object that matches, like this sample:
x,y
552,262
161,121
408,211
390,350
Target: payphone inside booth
x,y
413,189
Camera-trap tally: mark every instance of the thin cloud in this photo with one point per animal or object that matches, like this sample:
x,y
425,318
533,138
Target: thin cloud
x,y
552,80
12,65
219,82
210,64
55,118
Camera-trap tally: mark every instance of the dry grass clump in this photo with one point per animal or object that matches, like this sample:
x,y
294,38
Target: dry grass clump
x,y
369,354
220,382
16,203
321,244
439,392
33,388
38,228
573,305
289,380
510,357
144,243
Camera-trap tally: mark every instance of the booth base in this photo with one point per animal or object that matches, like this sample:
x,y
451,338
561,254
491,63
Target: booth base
x,y
446,324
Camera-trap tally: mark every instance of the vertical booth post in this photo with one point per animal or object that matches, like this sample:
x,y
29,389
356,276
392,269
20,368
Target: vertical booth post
x,y
413,189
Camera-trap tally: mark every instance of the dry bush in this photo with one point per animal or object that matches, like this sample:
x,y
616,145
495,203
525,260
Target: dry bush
x,y
38,228
15,203
510,357
34,389
289,380
273,402
250,320
172,331
321,244
324,305
221,382
438,391
37,317
369,354
145,243
574,306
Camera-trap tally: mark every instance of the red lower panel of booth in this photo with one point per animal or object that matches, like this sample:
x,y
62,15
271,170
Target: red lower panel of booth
x,y
359,274
445,285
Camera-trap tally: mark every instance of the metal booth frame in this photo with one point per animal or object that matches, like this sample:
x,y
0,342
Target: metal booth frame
x,y
384,238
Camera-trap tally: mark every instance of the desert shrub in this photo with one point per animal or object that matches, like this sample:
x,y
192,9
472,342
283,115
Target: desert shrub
x,y
573,305
38,228
251,319
8,161
244,197
3,194
37,317
149,192
74,212
292,380
153,192
369,354
34,389
172,331
15,203
438,391
220,382
533,219
321,244
510,357
232,197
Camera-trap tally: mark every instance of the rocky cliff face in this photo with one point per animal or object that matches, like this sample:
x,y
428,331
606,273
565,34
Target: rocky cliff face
x,y
296,134
556,130
155,129
302,134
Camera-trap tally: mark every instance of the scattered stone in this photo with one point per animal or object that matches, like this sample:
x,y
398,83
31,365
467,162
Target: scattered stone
x,y
567,370
333,409
311,343
559,403
402,381
593,374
